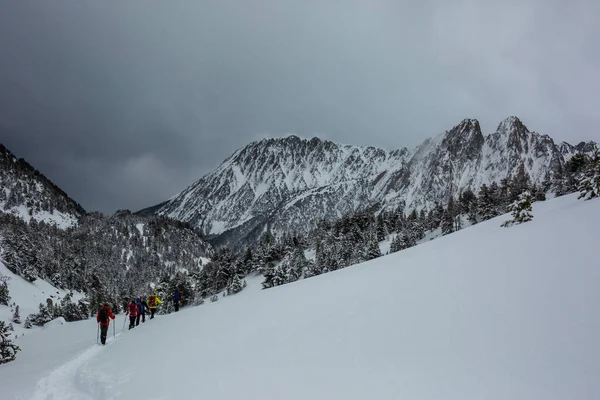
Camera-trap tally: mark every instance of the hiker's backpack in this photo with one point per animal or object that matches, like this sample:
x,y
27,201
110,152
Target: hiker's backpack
x,y
133,308
152,301
103,315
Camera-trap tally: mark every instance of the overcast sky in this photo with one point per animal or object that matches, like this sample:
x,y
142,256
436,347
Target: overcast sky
x,y
125,103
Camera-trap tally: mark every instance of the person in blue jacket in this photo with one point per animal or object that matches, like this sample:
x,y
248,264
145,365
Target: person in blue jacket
x,y
142,308
176,299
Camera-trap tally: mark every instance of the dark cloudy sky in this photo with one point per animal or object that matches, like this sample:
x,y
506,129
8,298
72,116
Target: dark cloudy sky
x,y
124,103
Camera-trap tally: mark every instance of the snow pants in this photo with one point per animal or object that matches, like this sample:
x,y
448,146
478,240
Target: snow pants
x,y
152,311
132,322
103,331
140,315
176,304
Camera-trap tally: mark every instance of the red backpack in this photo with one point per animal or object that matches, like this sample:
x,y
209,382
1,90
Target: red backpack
x,y
152,301
133,308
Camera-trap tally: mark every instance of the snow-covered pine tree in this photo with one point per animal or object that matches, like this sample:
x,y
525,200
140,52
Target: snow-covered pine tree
x,y
447,223
16,318
268,274
372,250
279,275
215,297
395,245
521,210
248,259
8,350
486,204
69,310
520,183
312,269
4,293
467,202
568,181
28,324
589,183
236,285
382,231
42,316
298,263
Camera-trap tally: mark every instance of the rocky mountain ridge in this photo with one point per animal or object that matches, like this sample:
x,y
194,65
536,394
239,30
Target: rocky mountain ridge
x,y
286,185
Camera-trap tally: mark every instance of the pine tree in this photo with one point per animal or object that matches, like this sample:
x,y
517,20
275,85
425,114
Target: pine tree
x,y
447,224
589,183
572,173
521,210
16,316
312,269
8,350
236,285
486,204
4,293
297,265
372,250
269,274
279,275
382,231
519,184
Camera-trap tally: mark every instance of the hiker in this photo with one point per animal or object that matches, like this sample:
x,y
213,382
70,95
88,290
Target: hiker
x,y
132,311
103,319
176,299
153,302
142,307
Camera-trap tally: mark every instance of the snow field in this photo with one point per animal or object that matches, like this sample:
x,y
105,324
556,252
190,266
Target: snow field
x,y
485,313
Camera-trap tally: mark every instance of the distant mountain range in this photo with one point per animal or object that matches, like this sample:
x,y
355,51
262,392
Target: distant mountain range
x,y
286,185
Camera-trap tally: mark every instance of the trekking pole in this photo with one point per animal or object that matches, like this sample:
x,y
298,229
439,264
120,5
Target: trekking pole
x,y
98,335
124,321
114,335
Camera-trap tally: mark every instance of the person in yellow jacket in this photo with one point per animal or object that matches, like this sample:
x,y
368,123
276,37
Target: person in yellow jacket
x,y
153,302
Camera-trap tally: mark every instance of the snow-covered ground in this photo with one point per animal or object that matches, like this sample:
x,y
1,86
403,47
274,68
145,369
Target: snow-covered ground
x,y
485,313
28,296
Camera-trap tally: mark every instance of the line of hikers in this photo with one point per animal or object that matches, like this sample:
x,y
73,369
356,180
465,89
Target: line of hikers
x,y
136,310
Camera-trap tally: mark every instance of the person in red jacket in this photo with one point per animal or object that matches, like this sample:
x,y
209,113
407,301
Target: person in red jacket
x,y
132,311
103,318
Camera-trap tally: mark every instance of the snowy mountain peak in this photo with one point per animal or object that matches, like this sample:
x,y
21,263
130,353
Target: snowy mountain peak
x,y
512,126
287,184
28,194
465,139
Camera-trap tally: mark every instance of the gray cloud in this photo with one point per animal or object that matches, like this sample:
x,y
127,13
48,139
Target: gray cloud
x,y
123,104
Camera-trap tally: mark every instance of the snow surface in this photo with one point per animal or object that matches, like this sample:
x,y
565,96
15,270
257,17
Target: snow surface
x,y
28,296
484,313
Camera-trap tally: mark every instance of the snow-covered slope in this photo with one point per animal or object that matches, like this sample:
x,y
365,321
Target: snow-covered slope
x,y
484,313
28,296
286,185
28,194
